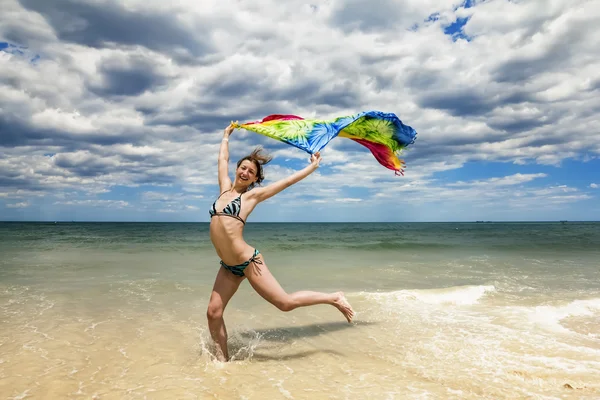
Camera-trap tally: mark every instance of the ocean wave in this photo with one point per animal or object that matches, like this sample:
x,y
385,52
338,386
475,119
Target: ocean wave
x,y
550,316
355,245
455,295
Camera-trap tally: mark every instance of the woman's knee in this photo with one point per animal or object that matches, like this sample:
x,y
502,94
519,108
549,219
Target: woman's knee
x,y
285,304
214,311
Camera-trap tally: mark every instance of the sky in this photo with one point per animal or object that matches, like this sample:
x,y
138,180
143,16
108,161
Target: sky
x,y
114,110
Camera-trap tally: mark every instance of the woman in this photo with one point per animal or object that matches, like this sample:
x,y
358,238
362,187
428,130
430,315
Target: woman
x,y
238,259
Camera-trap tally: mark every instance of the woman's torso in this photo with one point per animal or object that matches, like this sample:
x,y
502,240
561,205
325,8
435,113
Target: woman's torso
x,y
226,227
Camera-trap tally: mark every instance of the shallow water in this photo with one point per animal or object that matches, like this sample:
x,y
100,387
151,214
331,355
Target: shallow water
x,y
497,311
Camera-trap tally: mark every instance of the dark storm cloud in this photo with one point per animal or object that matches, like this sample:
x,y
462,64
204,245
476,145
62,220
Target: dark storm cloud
x,y
444,146
130,80
23,35
517,97
423,79
421,156
345,94
88,167
312,93
547,140
383,82
517,125
337,99
95,25
15,133
304,92
95,165
147,110
522,70
558,55
13,82
469,102
16,182
203,118
433,89
207,115
522,125
300,92
127,82
236,85
461,103
63,167
430,93
11,177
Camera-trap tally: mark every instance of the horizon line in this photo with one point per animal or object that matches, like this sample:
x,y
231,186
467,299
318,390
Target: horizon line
x,y
303,222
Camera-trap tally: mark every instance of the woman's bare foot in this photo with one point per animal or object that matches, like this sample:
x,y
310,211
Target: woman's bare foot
x,y
342,304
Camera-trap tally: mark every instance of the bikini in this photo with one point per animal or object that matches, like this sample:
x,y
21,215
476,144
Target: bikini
x,y
233,210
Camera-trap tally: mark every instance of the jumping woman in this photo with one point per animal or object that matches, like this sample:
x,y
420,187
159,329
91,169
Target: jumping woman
x,y
239,260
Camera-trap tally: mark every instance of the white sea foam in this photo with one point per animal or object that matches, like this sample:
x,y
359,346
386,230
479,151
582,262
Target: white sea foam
x,y
456,295
21,396
282,390
551,316
489,342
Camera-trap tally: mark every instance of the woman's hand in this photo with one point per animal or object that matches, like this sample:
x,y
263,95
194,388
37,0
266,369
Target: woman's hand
x,y
315,159
228,130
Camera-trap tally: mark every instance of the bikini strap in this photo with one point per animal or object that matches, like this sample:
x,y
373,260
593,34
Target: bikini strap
x,y
222,193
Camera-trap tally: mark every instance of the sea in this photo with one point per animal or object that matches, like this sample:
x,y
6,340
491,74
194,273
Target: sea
x,y
443,311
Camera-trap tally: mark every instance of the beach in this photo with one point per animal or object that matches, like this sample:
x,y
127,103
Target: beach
x,y
443,311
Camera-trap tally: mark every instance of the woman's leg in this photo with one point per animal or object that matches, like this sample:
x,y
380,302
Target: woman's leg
x,y
267,286
226,284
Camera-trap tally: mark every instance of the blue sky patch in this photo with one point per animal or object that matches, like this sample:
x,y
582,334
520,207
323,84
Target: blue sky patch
x,y
455,29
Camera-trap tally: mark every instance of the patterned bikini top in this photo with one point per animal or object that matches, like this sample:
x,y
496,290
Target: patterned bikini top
x,y
231,210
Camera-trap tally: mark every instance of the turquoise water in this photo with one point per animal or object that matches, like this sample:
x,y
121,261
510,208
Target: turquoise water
x,y
34,252
107,309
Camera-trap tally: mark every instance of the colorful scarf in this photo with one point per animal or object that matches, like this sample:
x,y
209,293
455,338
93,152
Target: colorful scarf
x,y
382,133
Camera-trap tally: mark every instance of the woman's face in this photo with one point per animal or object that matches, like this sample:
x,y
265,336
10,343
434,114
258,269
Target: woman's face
x,y
246,172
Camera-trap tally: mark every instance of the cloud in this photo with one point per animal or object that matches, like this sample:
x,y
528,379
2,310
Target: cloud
x,y
127,78
515,179
492,194
170,202
387,17
102,24
594,185
461,103
348,200
18,205
100,95
95,203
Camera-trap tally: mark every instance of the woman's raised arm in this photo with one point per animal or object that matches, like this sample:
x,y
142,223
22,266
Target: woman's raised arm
x,y
224,180
271,190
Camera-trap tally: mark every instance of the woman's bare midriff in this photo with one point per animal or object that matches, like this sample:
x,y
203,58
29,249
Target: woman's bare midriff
x,y
226,235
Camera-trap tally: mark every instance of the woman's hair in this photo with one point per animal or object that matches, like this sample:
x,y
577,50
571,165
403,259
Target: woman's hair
x,y
259,158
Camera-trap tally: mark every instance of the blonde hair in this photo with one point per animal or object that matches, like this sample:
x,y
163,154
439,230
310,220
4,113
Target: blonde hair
x,y
259,158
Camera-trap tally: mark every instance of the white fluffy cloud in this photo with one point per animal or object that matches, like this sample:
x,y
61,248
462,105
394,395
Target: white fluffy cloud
x,y
18,205
100,95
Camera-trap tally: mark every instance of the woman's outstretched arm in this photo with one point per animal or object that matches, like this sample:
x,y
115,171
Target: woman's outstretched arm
x,y
264,193
224,180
